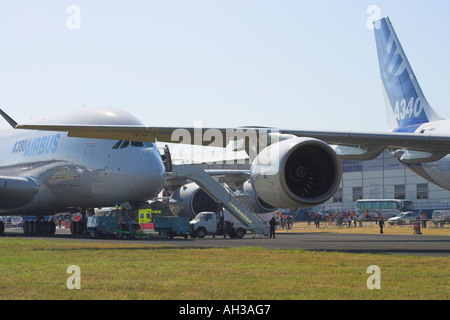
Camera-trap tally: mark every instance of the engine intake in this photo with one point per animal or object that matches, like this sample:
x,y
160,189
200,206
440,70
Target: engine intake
x,y
297,172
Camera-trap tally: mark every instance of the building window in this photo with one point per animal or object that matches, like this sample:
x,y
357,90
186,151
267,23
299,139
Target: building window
x,y
399,191
337,197
357,193
351,166
422,191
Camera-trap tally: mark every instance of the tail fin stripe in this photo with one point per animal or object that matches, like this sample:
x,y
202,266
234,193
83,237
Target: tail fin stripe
x,y
395,62
389,44
401,68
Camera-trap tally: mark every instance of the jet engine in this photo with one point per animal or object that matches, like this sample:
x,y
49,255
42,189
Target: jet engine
x,y
296,172
189,200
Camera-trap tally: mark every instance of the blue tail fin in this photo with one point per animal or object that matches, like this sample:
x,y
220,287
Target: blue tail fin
x,y
406,105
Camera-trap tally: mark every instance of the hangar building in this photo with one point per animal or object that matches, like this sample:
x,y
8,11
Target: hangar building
x,y
385,178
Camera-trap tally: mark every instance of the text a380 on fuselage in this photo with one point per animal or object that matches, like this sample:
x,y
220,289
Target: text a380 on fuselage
x,y
78,172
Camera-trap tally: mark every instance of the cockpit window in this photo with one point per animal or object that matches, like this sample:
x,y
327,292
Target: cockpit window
x,y
116,146
124,144
137,144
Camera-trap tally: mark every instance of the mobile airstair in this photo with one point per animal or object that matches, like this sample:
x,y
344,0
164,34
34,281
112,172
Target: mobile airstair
x,y
221,195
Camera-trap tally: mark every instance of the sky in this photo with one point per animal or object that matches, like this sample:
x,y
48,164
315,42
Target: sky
x,y
289,64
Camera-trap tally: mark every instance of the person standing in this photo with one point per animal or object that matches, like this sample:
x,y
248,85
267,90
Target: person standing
x,y
381,224
377,216
272,224
424,220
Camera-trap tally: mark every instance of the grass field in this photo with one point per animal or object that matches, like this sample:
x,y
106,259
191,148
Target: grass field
x,y
37,269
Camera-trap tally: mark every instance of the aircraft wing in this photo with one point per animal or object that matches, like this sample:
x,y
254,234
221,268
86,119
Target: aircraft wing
x,y
166,134
388,140
392,140
350,145
410,147
131,133
16,192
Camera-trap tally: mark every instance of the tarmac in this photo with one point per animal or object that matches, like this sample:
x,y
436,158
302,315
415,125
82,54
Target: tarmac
x,y
416,245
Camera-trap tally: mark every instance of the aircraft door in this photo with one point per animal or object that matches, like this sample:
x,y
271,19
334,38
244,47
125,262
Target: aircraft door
x,y
88,153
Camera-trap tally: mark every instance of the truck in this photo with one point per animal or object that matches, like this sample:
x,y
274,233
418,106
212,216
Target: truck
x,y
101,226
116,224
172,226
207,223
146,217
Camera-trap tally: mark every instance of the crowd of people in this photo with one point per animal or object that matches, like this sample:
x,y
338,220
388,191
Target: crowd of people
x,y
285,222
341,218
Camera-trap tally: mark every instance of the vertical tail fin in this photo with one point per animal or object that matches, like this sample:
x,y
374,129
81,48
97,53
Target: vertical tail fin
x,y
406,105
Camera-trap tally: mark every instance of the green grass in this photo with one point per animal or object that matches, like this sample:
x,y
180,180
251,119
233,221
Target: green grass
x,y
36,269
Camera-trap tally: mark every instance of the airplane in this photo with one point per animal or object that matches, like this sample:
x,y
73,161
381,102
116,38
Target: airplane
x,y
99,157
44,173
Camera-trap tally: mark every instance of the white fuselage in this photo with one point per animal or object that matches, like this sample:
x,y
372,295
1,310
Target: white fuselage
x,y
437,172
78,172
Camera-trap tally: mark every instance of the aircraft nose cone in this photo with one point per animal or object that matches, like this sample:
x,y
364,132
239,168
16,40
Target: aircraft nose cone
x,y
153,172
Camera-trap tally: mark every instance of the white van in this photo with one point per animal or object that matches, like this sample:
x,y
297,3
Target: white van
x,y
440,215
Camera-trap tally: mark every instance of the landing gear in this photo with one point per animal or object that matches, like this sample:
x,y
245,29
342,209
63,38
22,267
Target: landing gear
x,y
77,227
39,227
2,228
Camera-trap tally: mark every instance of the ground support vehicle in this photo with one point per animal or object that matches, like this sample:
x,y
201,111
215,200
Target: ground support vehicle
x,y
440,217
98,227
116,224
416,227
172,226
207,223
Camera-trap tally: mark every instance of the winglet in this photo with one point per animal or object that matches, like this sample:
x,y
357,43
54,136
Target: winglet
x,y
8,119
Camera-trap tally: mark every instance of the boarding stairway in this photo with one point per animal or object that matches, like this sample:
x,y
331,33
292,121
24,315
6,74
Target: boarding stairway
x,y
221,195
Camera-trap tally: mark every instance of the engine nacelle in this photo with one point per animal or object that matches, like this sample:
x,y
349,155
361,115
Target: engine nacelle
x,y
297,172
189,200
247,196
